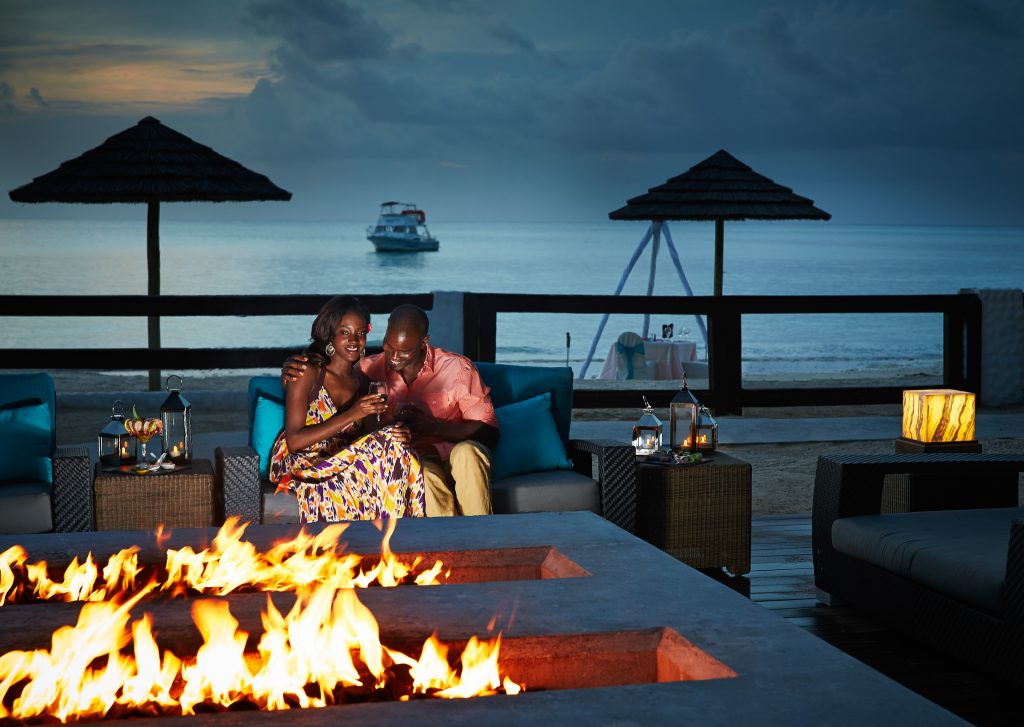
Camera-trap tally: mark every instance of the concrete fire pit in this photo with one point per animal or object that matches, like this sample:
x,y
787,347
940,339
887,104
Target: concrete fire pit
x,y
601,627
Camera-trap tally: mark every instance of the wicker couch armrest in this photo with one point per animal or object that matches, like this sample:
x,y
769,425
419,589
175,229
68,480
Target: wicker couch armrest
x,y
238,471
1013,587
615,474
72,490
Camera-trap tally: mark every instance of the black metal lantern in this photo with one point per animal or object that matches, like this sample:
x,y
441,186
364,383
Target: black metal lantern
x,y
114,443
707,431
176,415
683,412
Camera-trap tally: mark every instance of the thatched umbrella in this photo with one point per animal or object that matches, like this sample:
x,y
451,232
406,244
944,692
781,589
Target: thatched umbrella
x,y
720,188
150,163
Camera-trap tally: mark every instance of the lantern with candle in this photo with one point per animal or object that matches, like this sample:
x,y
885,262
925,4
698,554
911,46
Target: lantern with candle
x,y
707,431
938,420
691,426
176,414
647,432
115,447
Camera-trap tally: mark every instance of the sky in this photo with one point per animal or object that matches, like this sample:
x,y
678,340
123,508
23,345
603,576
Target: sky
x,y
888,112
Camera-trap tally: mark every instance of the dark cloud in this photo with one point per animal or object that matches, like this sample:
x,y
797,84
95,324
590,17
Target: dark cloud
x,y
37,98
512,37
321,30
972,18
6,97
448,6
507,34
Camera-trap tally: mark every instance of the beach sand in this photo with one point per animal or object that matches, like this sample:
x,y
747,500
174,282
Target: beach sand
x,y
783,474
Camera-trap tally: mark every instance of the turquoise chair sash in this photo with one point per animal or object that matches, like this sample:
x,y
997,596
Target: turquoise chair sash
x,y
629,352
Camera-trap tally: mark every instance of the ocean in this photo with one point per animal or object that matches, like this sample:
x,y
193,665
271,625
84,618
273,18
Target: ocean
x,y
237,257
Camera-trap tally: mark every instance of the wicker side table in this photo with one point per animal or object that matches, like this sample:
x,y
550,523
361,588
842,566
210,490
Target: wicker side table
x,y
698,513
183,499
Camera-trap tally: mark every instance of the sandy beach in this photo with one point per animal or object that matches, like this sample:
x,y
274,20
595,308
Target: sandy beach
x,y
783,474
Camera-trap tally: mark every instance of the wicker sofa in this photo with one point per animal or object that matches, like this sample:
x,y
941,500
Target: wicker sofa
x,y
952,577
602,478
42,488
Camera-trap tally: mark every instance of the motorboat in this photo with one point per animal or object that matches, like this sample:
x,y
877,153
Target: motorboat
x,y
401,227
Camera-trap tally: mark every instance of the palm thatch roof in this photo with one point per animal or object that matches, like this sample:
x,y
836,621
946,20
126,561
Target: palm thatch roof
x,y
720,188
150,162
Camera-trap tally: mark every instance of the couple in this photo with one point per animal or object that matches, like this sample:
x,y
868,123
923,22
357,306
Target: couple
x,y
350,454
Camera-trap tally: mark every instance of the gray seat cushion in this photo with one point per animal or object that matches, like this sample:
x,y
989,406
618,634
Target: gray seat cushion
x,y
25,507
278,507
548,491
960,553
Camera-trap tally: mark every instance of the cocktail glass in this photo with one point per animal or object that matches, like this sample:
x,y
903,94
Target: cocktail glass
x,y
143,430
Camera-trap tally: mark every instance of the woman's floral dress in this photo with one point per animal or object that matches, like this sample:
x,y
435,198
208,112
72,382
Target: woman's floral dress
x,y
374,476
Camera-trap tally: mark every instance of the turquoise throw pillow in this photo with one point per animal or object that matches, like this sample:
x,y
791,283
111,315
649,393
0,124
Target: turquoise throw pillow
x,y
25,443
528,439
267,423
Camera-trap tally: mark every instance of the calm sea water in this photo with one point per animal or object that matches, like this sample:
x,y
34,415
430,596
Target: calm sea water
x,y
103,257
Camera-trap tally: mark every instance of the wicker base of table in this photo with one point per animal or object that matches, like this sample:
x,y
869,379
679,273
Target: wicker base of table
x,y
699,513
141,502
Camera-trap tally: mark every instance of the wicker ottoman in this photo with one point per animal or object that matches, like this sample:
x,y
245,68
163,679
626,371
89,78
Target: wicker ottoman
x,y
183,499
698,513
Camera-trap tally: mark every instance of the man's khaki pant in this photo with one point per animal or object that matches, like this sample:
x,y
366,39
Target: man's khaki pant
x,y
460,486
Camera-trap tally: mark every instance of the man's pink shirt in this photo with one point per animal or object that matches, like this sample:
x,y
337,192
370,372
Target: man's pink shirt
x,y
448,388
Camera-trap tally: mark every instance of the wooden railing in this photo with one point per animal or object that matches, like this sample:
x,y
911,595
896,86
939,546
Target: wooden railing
x,y
725,392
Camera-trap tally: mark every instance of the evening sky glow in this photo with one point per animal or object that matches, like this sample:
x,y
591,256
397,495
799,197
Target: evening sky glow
x,y
888,113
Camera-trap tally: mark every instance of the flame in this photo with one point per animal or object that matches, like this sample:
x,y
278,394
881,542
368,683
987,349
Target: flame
x,y
303,658
229,564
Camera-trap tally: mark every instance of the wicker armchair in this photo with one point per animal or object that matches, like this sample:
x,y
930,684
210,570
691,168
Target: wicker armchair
x,y
42,487
602,480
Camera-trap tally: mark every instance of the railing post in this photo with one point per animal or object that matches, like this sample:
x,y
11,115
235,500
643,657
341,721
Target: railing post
x,y
961,343
479,327
725,353
953,348
471,326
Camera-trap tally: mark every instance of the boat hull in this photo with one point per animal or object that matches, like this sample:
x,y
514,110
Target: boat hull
x,y
384,243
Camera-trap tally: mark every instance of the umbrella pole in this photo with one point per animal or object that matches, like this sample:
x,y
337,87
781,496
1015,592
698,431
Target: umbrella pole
x,y
674,254
650,277
153,289
719,251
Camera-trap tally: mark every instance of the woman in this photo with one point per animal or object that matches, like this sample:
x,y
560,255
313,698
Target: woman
x,y
330,453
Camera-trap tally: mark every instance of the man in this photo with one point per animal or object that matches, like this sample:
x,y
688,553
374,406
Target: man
x,y
440,396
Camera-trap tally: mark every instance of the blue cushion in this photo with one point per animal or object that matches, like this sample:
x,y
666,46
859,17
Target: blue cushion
x,y
16,389
25,442
267,386
510,384
267,423
528,440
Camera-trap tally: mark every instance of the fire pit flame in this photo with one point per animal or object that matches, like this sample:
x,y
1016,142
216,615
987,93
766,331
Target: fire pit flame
x,y
101,666
230,564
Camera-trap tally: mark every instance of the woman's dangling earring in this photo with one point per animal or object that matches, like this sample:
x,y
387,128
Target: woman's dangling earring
x,y
329,348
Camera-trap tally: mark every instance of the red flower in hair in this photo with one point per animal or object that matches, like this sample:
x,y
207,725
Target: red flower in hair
x,y
369,327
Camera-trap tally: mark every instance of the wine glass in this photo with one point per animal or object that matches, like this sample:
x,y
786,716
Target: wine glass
x,y
378,388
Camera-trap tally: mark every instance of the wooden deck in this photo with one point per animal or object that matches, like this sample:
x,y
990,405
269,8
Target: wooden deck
x,y
782,579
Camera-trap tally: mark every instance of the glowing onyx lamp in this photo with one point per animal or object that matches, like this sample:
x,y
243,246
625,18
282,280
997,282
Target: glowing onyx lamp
x,y
938,420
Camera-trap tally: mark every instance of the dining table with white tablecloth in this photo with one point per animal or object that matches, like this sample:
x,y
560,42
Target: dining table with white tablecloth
x,y
663,359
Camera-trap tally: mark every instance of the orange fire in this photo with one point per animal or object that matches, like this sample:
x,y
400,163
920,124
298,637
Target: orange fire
x,y
327,642
230,564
